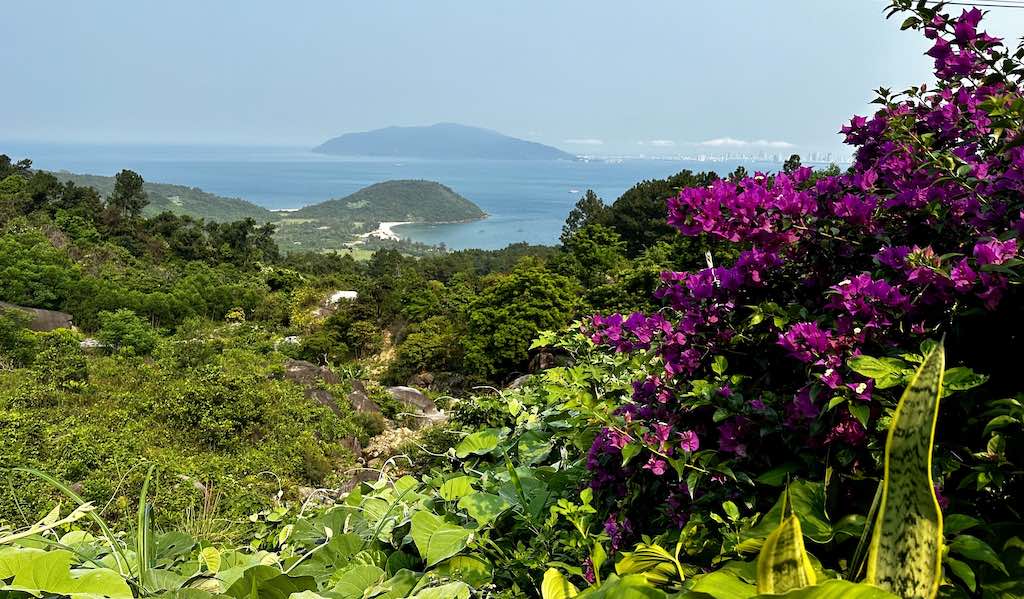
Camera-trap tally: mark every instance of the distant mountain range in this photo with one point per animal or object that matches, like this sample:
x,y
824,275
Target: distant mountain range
x,y
441,141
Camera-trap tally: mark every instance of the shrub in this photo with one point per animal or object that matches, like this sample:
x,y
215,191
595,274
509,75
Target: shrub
x,y
123,330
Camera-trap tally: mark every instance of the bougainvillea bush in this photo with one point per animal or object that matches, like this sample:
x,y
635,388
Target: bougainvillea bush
x,y
786,363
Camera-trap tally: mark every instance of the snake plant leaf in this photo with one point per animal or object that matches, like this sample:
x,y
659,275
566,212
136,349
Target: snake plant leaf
x,y
555,586
783,564
905,557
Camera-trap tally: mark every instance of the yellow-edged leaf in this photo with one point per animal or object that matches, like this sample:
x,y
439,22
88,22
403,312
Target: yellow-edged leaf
x,y
555,586
906,544
783,564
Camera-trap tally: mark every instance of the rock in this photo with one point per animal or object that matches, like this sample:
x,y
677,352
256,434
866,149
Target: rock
x,y
423,380
42,320
308,374
357,476
421,409
519,381
311,376
353,445
360,400
544,358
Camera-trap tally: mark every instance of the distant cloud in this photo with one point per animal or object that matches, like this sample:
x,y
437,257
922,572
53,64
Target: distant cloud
x,y
731,142
664,143
589,141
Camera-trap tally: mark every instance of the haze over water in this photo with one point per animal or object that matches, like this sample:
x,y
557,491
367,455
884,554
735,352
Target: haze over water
x,y
526,200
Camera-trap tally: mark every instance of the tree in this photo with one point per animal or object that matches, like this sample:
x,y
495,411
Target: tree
x,y
638,216
589,209
792,163
507,316
128,198
124,330
594,253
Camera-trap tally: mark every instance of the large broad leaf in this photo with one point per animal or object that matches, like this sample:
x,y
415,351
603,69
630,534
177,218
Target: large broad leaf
x,y
483,507
36,571
807,501
634,586
267,582
353,581
906,544
452,590
399,585
436,539
654,562
836,589
478,443
555,586
722,585
471,569
455,488
783,564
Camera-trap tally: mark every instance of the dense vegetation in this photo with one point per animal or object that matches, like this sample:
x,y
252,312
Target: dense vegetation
x,y
400,200
802,385
179,199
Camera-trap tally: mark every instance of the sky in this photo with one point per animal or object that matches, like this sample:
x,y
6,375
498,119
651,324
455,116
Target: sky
x,y
588,76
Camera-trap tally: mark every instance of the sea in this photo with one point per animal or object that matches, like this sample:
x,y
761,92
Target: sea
x,y
526,200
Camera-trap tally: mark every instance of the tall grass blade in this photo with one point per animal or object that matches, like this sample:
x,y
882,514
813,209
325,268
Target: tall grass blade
x,y
115,546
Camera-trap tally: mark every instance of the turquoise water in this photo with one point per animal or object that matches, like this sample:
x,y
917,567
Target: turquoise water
x,y
526,200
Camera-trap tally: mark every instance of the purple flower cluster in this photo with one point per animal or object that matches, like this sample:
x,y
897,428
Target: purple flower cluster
x,y
924,224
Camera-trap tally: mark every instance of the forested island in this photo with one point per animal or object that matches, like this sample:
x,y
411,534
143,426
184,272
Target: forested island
x,y
800,384
440,142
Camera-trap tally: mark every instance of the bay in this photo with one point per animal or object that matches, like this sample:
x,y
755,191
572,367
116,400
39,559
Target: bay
x,y
527,201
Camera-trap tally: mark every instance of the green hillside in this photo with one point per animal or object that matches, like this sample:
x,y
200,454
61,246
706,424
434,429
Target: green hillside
x,y
400,200
180,199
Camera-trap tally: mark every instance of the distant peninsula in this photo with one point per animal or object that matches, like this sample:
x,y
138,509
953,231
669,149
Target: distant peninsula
x,y
179,199
446,141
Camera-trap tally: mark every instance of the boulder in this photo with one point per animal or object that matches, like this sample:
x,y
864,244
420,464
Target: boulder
x,y
421,408
311,377
42,320
360,400
423,380
519,381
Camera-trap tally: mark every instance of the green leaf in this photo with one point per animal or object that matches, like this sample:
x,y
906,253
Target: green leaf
x,y
999,422
731,510
887,372
634,586
962,379
977,550
954,523
555,586
266,582
452,590
720,364
906,543
963,572
479,443
353,581
783,564
456,488
860,411
654,562
36,571
837,589
399,585
483,507
807,501
435,539
471,569
722,585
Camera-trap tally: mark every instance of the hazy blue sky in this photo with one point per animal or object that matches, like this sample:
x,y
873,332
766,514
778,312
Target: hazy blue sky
x,y
569,72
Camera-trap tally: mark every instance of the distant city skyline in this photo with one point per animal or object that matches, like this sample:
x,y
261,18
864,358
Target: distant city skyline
x,y
658,78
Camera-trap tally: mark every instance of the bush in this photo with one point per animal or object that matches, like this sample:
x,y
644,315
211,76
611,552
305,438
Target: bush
x,y
124,331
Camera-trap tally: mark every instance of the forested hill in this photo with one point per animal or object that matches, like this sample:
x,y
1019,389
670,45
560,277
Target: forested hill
x,y
399,200
179,199
440,141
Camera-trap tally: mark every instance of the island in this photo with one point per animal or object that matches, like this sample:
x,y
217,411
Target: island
x,y
443,141
371,214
